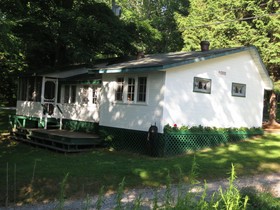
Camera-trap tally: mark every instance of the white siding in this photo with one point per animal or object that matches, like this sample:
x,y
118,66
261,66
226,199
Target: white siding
x,y
29,108
128,115
79,112
182,106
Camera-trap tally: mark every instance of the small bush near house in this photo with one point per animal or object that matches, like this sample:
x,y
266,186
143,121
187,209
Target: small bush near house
x,y
201,129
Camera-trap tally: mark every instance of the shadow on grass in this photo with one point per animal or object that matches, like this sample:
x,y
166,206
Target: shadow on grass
x,y
34,174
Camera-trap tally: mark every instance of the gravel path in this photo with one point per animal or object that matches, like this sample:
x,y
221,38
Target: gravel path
x,y
269,183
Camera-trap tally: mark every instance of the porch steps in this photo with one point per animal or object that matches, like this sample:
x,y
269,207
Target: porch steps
x,y
59,140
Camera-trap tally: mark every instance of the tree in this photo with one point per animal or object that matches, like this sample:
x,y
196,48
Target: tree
x,y
155,27
12,60
236,23
38,35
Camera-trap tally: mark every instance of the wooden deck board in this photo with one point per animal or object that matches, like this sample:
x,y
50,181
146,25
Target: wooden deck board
x,y
60,140
66,133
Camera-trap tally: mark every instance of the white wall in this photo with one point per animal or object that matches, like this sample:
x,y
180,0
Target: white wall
x,y
128,115
81,112
29,108
182,106
76,111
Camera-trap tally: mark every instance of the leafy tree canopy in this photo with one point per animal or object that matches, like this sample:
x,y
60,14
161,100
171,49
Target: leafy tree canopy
x,y
234,23
155,27
62,32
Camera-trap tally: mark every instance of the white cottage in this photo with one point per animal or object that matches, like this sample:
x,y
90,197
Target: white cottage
x,y
215,88
221,88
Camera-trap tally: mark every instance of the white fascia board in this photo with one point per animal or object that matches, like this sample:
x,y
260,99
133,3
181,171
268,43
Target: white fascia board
x,y
69,73
268,83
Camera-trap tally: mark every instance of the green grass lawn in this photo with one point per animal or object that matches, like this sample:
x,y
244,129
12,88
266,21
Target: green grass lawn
x,y
35,173
32,174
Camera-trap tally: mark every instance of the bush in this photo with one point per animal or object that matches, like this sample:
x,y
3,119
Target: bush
x,y
201,129
261,200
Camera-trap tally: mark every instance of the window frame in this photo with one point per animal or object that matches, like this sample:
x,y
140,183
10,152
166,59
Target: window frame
x,y
72,94
131,88
200,80
234,87
143,93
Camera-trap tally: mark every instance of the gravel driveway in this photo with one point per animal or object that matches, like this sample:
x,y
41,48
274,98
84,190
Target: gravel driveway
x,y
269,183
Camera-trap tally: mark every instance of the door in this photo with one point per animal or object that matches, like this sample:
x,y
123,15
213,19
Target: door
x,y
49,98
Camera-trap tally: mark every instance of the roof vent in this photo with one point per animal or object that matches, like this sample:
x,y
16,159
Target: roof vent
x,y
204,45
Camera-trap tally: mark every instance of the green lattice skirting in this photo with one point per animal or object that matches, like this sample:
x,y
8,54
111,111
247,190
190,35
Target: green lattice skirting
x,y
168,144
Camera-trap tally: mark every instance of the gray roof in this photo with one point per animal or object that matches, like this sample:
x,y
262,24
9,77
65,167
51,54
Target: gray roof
x,y
157,62
162,62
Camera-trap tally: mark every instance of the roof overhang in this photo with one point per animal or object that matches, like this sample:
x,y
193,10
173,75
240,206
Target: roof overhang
x,y
268,83
164,62
68,73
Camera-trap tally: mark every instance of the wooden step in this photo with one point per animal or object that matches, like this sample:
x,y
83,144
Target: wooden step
x,y
60,140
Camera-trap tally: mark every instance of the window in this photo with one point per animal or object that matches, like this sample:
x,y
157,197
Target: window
x,y
94,95
142,86
202,85
238,90
85,93
131,89
29,89
119,92
66,93
69,94
73,94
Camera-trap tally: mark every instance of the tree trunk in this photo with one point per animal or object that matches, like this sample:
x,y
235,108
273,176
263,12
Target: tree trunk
x,y
273,109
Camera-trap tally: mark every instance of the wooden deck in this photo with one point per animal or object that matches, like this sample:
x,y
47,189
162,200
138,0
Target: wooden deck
x,y
60,140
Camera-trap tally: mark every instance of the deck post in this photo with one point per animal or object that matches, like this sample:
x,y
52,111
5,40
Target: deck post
x,y
46,121
60,123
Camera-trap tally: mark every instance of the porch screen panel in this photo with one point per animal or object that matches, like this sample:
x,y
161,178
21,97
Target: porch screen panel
x,y
85,94
22,89
38,88
31,89
66,93
73,94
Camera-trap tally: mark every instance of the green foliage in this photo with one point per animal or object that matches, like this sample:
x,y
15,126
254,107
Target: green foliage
x,y
119,196
4,120
12,59
58,33
154,20
201,129
234,23
62,193
260,200
231,198
100,199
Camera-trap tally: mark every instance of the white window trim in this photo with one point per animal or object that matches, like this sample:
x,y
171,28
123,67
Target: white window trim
x,y
125,90
241,87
